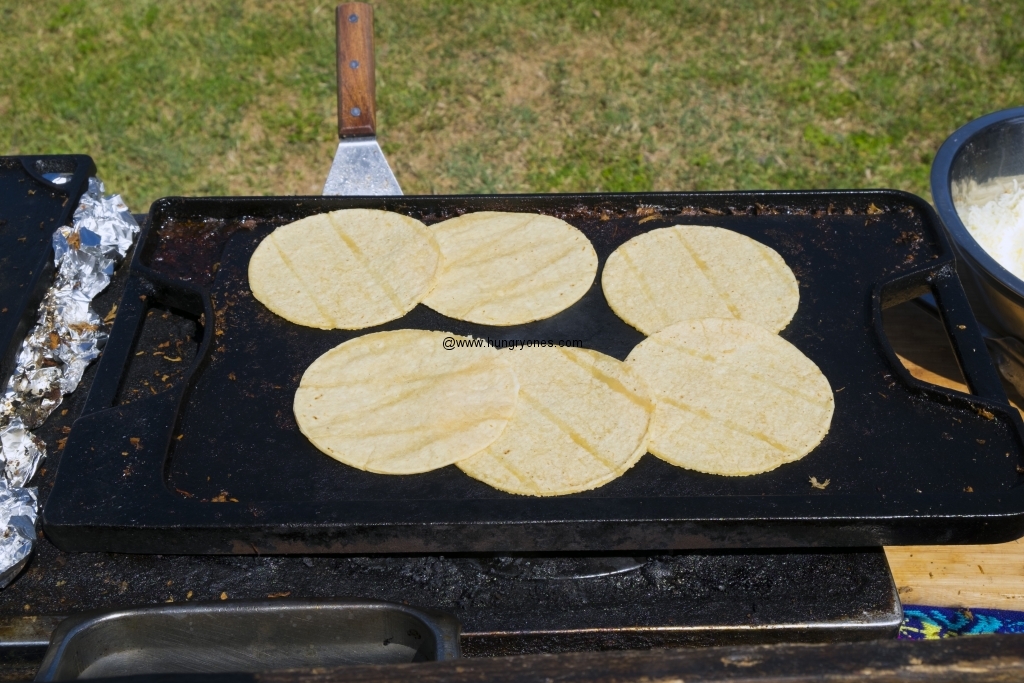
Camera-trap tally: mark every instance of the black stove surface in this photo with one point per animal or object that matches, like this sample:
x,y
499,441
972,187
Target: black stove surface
x,y
507,604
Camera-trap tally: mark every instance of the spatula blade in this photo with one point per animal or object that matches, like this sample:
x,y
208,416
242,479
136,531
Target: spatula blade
x,y
359,168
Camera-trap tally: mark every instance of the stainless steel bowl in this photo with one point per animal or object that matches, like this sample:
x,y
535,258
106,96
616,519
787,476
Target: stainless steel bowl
x,y
984,150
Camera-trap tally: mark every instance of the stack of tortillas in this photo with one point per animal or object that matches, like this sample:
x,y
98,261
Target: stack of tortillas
x,y
731,396
712,388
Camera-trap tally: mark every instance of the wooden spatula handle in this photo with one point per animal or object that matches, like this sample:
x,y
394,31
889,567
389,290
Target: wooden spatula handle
x,y
357,92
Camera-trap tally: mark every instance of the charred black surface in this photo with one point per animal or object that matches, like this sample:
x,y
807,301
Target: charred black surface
x,y
507,604
189,249
31,208
164,351
904,460
513,604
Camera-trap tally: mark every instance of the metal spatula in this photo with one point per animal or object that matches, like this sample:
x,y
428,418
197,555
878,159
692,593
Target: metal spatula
x,y
359,166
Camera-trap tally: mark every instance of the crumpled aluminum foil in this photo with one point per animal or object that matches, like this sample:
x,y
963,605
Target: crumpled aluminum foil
x,y
18,511
51,361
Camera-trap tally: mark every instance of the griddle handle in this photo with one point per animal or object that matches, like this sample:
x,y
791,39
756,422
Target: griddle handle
x,y
116,356
357,91
966,339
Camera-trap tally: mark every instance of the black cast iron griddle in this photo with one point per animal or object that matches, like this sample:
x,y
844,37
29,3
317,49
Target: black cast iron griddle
x,y
32,207
215,464
513,603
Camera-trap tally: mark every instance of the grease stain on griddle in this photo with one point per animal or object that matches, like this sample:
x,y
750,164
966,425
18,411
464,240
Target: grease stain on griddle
x,y
188,249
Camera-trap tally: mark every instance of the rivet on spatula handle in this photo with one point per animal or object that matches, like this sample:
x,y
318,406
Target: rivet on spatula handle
x,y
357,103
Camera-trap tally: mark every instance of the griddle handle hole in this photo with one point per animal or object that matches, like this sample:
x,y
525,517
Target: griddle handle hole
x,y
922,346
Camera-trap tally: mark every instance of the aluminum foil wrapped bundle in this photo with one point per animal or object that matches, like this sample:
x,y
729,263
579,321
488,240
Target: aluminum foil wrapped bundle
x,y
18,513
26,452
68,335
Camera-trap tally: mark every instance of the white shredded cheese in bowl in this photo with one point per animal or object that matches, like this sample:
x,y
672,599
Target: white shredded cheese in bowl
x,y
994,215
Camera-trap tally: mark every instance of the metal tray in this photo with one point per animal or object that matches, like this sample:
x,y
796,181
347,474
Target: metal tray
x,y
246,636
215,464
31,208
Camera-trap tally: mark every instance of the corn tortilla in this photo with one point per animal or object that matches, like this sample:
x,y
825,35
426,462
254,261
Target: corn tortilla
x,y
581,422
347,269
400,403
698,271
510,268
731,397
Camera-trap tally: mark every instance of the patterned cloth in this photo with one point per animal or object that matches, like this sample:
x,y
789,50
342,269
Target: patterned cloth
x,y
928,623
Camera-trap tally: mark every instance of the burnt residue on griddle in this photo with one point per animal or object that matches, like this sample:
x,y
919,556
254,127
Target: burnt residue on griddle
x,y
913,241
507,604
609,211
189,249
628,209
162,356
438,214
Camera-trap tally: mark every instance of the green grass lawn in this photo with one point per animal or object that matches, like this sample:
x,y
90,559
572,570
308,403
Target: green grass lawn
x,y
239,97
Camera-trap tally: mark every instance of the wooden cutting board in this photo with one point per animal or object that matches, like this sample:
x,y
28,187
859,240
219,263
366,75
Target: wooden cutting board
x,y
953,575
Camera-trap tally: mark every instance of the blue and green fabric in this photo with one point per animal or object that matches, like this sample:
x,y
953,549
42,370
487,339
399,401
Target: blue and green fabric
x,y
921,622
